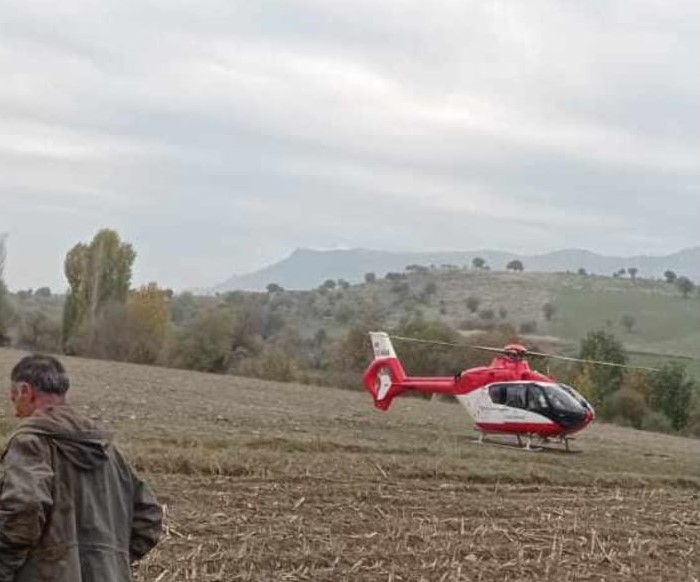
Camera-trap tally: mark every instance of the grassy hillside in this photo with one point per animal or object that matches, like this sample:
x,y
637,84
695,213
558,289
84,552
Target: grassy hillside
x,y
267,481
664,322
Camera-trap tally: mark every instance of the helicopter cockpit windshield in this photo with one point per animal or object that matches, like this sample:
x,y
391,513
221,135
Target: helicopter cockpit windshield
x,y
561,399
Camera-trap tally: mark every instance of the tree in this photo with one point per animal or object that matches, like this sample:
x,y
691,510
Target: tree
x,y
5,307
528,327
148,320
343,284
582,272
487,314
370,278
274,288
473,303
633,272
628,322
98,273
43,292
670,276
672,392
515,265
605,380
549,310
685,286
205,344
329,284
502,312
479,263
628,406
37,331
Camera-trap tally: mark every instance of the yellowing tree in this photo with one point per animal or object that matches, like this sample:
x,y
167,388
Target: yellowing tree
x,y
148,320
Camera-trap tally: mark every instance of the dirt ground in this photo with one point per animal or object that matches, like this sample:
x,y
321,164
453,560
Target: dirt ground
x,y
265,481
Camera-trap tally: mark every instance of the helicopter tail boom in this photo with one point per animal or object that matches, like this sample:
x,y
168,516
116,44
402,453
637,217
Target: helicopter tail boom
x,y
385,378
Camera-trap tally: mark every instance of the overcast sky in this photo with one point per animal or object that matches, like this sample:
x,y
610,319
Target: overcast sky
x,y
219,135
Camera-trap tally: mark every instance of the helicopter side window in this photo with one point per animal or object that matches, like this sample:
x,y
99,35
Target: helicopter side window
x,y
516,395
498,393
536,399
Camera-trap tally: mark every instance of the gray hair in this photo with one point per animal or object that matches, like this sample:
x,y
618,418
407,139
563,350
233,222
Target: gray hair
x,y
44,373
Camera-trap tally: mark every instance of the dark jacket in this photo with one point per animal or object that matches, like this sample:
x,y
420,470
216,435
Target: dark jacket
x,y
71,507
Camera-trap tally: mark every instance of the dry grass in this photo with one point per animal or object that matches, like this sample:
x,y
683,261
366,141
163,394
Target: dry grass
x,y
266,481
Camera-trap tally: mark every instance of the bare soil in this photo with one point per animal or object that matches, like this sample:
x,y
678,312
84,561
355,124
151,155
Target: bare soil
x,y
267,481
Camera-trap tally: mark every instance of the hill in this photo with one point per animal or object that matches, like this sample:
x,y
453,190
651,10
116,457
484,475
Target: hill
x,y
306,268
267,481
663,321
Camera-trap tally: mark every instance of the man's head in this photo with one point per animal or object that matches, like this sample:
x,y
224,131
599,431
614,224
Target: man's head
x,y
37,381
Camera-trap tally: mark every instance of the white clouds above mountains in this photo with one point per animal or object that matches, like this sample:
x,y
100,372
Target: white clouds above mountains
x,y
218,135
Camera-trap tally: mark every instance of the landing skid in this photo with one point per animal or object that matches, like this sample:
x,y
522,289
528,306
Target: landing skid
x,y
527,442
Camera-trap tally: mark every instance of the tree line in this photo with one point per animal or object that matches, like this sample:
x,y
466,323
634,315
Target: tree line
x,y
256,334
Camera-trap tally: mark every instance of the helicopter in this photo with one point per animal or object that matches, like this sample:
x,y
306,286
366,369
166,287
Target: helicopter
x,y
506,397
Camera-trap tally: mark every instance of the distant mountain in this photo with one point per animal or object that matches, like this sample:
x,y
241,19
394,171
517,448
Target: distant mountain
x,y
306,268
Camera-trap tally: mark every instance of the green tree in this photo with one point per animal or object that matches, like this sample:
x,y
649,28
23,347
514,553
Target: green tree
x,y
39,332
370,278
473,303
205,344
515,265
274,288
605,380
98,274
685,286
628,322
628,406
479,263
633,272
672,393
487,314
670,276
549,310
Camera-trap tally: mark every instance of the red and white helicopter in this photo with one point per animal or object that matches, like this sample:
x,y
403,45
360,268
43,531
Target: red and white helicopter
x,y
505,397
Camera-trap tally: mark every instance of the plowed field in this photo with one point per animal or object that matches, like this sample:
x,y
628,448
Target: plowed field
x,y
266,481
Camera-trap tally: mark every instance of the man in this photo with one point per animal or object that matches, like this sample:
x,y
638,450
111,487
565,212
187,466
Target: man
x,y
71,507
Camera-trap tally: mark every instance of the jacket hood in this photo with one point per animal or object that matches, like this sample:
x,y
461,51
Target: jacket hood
x,y
77,438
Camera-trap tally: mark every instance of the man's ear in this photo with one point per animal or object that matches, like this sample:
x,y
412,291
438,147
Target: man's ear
x,y
27,392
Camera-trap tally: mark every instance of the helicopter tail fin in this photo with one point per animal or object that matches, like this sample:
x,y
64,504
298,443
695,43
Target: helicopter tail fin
x,y
384,376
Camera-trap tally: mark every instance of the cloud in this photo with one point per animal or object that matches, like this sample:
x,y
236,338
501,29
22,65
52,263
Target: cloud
x,y
218,135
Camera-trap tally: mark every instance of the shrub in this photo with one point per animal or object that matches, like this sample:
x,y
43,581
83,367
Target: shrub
x,y
473,303
487,314
657,422
626,405
38,332
528,327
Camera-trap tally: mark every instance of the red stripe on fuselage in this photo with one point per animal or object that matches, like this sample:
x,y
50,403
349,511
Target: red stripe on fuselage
x,y
544,429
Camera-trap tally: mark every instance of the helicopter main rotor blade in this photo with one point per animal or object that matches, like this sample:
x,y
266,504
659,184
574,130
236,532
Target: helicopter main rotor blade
x,y
487,349
524,354
416,340
594,362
